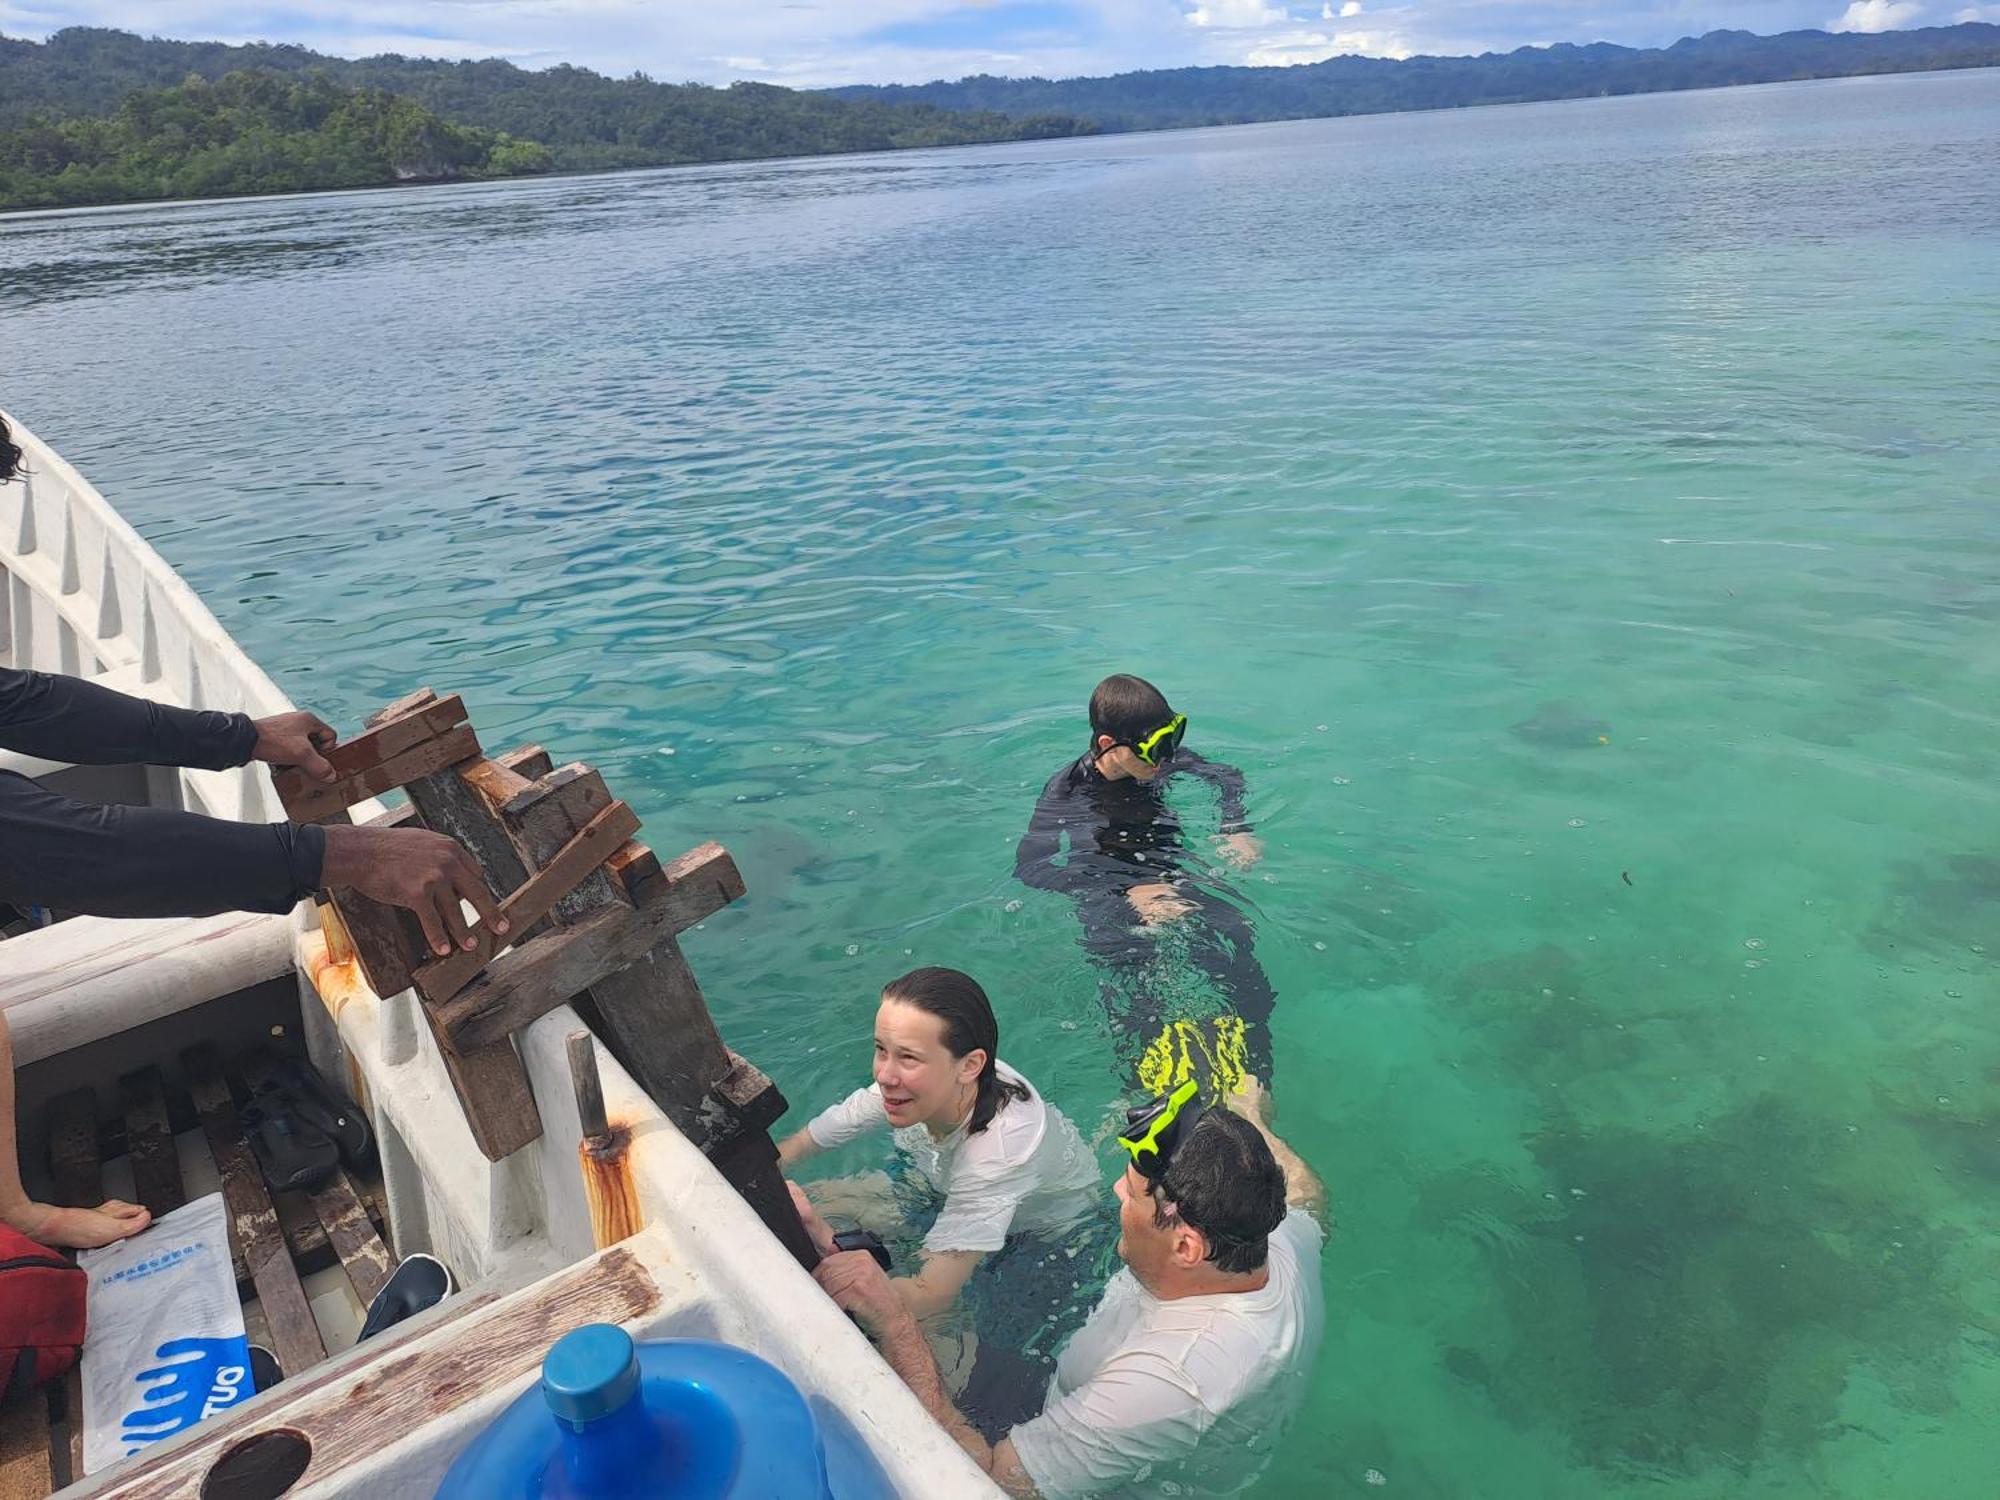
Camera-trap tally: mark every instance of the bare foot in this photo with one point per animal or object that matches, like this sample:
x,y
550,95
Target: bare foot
x,y
78,1228
1157,901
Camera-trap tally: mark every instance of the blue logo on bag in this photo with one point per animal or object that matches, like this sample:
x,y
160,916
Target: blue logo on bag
x,y
166,1260
196,1378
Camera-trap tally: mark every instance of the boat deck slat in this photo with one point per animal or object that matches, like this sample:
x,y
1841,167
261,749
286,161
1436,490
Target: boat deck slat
x,y
362,1254
253,1219
149,1141
73,1159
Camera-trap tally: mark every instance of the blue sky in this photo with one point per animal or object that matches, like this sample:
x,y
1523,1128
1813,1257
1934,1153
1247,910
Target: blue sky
x,y
817,42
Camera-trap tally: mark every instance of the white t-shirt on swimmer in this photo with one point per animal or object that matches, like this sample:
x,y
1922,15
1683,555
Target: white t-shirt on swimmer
x,y
1182,1398
1026,1171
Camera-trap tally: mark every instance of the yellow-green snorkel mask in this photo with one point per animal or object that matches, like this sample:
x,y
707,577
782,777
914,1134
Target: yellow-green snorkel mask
x,y
1152,1131
1162,742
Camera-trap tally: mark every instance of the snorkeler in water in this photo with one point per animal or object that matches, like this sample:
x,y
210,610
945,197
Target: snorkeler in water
x,y
1009,1176
1129,870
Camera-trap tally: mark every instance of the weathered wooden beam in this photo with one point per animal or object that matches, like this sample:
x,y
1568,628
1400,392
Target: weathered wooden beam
x,y
491,1081
650,1016
387,940
756,1100
544,815
391,734
409,703
253,1220
661,1029
636,867
495,782
449,804
528,761
441,978
520,774
308,802
73,1158
493,1089
362,1254
750,1163
532,980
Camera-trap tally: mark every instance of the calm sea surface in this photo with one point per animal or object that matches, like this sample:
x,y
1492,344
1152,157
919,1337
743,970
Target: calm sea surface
x,y
1578,520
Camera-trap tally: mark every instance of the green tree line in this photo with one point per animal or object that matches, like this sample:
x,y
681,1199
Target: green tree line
x,y
1165,98
583,119
247,132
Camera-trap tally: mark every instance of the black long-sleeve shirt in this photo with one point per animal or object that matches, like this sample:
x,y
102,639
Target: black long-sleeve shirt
x,y
135,861
1121,833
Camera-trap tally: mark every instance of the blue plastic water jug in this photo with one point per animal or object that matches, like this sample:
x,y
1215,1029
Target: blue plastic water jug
x,y
676,1419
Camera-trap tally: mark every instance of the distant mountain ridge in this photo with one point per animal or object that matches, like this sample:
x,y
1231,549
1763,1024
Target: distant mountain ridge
x,y
96,116
1171,97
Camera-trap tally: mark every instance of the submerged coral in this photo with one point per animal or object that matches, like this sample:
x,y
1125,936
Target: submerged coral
x,y
1557,726
1690,1291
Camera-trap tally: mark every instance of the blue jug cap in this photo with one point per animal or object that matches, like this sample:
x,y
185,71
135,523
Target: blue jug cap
x,y
590,1372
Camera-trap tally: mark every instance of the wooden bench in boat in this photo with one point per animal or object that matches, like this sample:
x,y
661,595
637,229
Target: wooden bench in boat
x,y
276,1240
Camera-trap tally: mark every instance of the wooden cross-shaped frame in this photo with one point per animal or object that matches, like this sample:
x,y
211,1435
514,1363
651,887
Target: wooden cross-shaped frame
x,y
593,921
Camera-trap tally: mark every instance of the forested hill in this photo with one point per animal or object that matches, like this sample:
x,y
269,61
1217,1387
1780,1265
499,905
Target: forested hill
x,y
93,116
249,132
49,91
1365,85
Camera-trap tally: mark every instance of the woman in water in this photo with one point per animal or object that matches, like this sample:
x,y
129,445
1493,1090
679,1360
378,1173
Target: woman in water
x,y
1005,1161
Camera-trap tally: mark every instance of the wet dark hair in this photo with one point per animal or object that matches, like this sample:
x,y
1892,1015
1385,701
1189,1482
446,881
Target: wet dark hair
x,y
10,454
957,1000
1127,708
1224,1181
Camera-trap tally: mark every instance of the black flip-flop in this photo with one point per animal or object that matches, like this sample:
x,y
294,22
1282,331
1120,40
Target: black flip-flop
x,y
292,1150
317,1101
420,1282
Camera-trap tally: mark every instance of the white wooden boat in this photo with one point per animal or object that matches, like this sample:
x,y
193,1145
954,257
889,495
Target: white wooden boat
x,y
91,1000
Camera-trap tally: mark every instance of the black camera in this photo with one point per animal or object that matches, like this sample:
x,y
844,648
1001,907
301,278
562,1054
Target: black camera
x,y
864,1239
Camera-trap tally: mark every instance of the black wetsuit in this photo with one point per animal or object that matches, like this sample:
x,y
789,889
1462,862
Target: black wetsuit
x,y
1123,834
135,861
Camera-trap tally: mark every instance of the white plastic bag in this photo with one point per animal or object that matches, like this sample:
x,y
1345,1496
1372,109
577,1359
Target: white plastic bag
x,y
165,1346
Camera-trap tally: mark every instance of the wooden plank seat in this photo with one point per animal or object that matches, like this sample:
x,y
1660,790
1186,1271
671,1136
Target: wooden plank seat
x,y
276,1239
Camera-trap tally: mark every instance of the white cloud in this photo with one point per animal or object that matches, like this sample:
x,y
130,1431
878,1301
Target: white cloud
x,y
817,42
1287,49
1236,15
1877,15
779,41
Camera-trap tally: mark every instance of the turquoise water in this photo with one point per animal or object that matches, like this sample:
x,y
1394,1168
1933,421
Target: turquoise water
x,y
1577,519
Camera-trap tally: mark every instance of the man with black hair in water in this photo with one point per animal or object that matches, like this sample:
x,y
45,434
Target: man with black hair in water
x,y
1190,1367
109,861
1129,871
